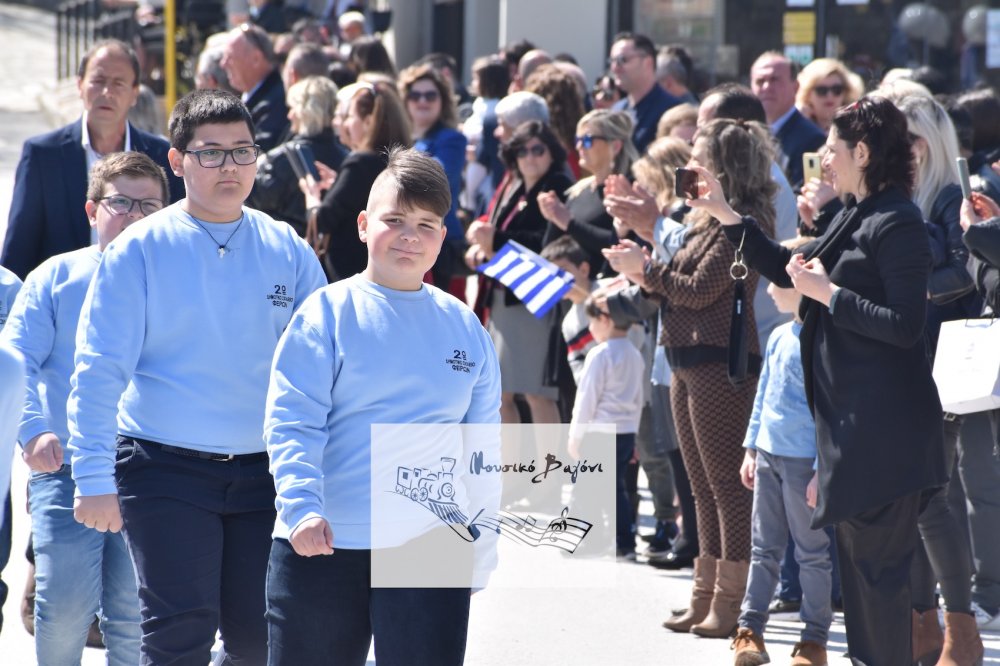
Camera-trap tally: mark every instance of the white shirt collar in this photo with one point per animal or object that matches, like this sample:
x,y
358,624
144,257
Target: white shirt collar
x,y
85,140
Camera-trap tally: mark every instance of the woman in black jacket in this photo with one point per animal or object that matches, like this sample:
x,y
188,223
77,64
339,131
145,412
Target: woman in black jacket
x,y
868,379
944,556
373,122
311,102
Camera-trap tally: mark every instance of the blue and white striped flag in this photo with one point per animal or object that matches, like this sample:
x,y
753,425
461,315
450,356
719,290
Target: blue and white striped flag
x,y
537,282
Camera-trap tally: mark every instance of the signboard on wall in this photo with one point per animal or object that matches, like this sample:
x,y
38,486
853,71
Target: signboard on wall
x,y
799,28
993,39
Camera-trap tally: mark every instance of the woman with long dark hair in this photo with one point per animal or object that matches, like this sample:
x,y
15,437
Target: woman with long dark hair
x,y
868,380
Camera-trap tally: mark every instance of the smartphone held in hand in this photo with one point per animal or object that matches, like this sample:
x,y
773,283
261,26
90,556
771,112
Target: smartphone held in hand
x,y
686,183
963,177
811,166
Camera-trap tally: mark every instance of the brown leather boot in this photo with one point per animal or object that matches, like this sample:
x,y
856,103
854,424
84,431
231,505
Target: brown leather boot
x,y
748,648
701,596
927,639
730,586
962,643
808,653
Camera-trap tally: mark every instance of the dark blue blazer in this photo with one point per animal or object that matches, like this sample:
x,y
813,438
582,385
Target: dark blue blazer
x,y
798,135
269,111
47,216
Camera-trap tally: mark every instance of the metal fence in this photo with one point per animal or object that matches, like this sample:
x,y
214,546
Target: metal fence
x,y
79,23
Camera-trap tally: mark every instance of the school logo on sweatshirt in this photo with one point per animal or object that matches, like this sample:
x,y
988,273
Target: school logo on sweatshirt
x,y
279,297
460,362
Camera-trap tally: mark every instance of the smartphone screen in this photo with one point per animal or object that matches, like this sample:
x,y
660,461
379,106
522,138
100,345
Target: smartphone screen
x,y
308,159
811,166
963,177
686,183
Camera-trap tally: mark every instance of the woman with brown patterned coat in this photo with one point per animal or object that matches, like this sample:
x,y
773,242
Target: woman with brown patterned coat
x,y
711,413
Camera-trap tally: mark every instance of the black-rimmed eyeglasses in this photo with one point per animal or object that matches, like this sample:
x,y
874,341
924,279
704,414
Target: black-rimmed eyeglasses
x,y
210,158
119,204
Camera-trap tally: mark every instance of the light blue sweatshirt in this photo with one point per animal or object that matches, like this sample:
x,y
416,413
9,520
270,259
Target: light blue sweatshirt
x,y
42,326
781,422
10,284
183,336
11,402
358,354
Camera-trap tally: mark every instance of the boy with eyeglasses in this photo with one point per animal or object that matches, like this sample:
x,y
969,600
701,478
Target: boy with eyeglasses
x,y
176,336
79,572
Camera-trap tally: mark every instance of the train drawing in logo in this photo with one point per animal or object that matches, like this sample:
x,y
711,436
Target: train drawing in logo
x,y
422,485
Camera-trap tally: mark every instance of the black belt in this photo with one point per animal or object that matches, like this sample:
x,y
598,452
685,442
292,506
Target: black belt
x,y
206,455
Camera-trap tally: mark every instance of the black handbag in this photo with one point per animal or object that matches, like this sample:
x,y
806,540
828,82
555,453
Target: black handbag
x,y
739,351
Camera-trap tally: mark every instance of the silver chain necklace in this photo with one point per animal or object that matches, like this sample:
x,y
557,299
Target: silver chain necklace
x,y
224,248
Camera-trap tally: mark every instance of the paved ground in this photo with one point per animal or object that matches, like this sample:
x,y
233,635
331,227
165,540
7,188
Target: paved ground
x,y
579,625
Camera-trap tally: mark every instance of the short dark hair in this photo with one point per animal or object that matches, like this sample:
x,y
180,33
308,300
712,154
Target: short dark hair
x,y
640,42
419,179
131,164
565,248
984,108
369,55
962,120
439,61
737,102
114,45
341,74
202,107
524,133
883,128
590,307
308,59
514,51
494,76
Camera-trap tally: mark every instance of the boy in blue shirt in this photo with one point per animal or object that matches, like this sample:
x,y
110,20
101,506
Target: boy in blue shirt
x,y
10,284
377,348
176,338
79,571
779,466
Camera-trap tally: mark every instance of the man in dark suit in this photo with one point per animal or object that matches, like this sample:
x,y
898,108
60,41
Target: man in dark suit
x,y
633,64
249,61
773,81
47,216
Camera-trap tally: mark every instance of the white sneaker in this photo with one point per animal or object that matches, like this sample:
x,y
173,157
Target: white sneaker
x,y
984,620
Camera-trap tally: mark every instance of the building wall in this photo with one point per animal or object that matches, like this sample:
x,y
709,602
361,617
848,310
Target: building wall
x,y
572,26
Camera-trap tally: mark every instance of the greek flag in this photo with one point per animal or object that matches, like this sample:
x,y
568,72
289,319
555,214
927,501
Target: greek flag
x,y
537,282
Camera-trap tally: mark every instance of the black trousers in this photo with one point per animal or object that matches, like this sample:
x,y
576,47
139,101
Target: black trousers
x,y
876,548
199,533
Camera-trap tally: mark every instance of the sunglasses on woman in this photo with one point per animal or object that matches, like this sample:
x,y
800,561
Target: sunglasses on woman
x,y
836,89
536,150
587,140
416,96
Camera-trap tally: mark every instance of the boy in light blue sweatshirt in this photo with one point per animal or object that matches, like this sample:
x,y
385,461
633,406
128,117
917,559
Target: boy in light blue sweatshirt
x,y
381,347
779,466
175,339
10,284
79,572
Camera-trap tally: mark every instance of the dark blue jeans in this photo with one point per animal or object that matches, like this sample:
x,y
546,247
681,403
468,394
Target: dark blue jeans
x,y
199,533
323,610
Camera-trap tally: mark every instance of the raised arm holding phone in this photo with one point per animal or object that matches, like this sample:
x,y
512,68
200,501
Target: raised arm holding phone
x,y
867,377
